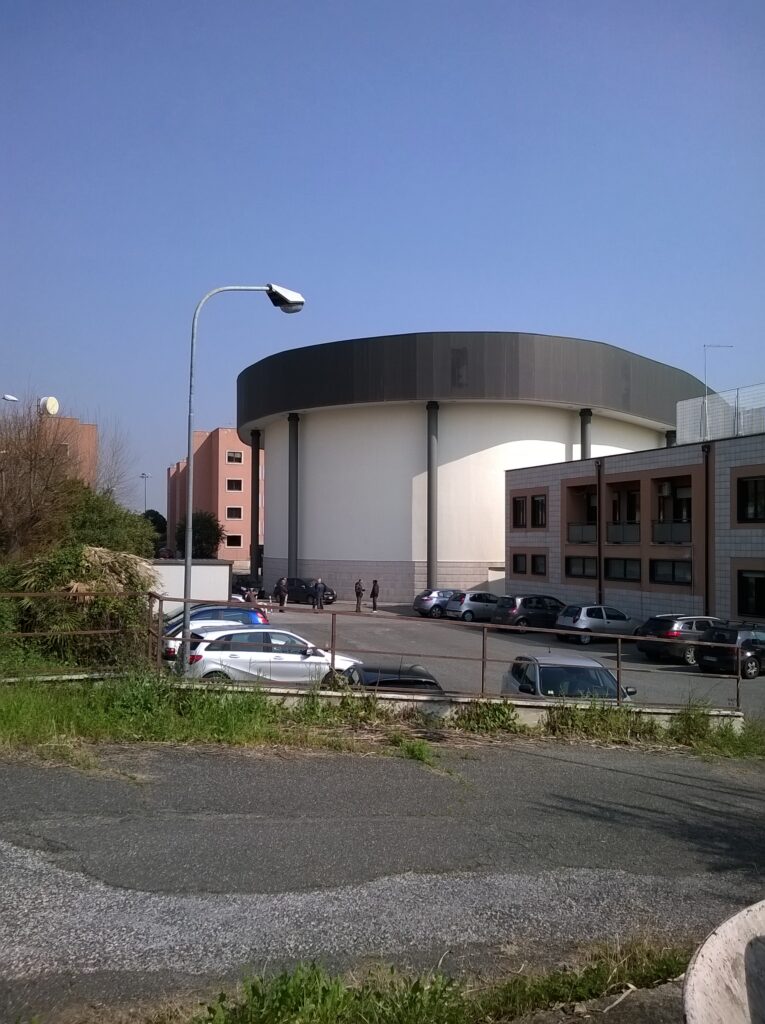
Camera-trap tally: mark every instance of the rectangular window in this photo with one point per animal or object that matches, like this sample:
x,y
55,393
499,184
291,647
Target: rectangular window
x,y
235,457
234,485
234,512
751,593
233,540
622,568
538,510
751,499
539,565
519,565
664,570
582,567
519,513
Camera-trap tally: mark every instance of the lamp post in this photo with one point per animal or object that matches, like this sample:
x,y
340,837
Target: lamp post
x,y
288,302
706,389
145,477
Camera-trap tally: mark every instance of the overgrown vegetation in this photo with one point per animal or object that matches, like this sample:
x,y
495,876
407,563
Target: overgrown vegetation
x,y
207,534
487,717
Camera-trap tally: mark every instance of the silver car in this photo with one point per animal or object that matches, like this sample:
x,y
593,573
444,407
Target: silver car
x,y
472,605
261,653
552,676
583,622
432,602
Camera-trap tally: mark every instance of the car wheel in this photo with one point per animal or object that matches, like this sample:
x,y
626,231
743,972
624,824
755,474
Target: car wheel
x,y
468,617
689,656
585,638
215,675
750,668
436,612
332,680
521,624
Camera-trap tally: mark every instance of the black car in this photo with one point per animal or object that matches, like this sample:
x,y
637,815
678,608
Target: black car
x,y
399,678
672,636
536,610
748,638
300,591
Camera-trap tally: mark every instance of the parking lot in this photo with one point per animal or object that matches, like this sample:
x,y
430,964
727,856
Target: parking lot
x,y
452,651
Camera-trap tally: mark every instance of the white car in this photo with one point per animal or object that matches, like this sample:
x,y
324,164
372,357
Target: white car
x,y
171,641
252,653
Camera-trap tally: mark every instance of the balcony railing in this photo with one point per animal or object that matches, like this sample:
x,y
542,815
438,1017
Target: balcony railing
x,y
671,532
623,533
582,533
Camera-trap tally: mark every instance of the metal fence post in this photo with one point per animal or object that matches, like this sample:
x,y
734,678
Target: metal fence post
x,y
149,620
484,632
160,604
618,670
332,641
738,678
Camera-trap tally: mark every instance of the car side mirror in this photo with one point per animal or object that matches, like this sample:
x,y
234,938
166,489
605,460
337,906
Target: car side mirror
x,y
525,687
630,690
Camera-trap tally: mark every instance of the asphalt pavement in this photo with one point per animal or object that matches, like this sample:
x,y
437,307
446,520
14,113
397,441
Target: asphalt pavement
x,y
173,868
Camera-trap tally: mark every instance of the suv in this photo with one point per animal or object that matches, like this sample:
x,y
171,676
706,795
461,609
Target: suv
x,y
682,628
539,611
300,591
471,605
747,637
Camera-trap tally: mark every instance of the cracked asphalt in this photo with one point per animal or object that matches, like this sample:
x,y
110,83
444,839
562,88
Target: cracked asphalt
x,y
172,869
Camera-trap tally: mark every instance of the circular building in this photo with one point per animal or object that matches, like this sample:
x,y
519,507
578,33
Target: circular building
x,y
385,457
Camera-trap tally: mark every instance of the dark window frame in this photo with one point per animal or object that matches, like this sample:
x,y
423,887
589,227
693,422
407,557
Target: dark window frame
x,y
535,559
538,511
610,573
519,513
520,559
571,562
674,563
743,498
744,605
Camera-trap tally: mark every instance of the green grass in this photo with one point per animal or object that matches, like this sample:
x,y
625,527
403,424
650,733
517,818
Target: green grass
x,y
487,717
601,722
413,748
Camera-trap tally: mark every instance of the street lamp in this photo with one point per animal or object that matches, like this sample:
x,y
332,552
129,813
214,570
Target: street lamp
x,y
145,477
10,398
288,302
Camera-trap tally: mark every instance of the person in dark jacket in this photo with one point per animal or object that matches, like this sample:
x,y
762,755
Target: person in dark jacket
x,y
280,592
359,591
374,593
318,595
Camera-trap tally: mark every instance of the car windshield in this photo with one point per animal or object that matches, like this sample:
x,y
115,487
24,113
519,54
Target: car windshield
x,y
576,681
721,636
571,610
506,602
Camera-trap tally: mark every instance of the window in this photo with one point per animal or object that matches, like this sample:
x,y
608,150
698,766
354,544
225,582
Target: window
x,y
595,612
664,570
614,615
234,485
233,540
519,513
586,567
538,510
751,593
622,568
235,457
751,499
233,512
519,564
539,565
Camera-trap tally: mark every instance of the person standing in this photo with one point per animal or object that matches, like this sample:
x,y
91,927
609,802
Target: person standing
x,y
318,595
359,591
280,592
374,593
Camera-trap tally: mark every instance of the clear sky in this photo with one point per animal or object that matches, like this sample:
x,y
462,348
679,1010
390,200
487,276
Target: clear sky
x,y
593,168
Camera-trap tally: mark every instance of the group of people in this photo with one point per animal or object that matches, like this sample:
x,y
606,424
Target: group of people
x,y
319,590
374,593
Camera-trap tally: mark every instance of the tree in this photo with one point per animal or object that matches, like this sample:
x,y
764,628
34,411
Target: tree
x,y
208,535
159,523
97,520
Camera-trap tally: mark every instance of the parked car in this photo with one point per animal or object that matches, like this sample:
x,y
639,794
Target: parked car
x,y
261,653
399,678
171,642
681,628
537,610
244,614
432,602
749,638
583,622
562,675
471,605
300,591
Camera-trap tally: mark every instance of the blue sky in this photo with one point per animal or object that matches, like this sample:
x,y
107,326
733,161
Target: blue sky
x,y
591,168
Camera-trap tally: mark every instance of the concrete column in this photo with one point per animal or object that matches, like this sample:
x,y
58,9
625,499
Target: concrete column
x,y
255,504
670,437
292,495
431,527
585,430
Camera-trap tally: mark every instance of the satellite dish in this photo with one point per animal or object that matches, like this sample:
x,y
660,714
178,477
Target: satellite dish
x,y
48,406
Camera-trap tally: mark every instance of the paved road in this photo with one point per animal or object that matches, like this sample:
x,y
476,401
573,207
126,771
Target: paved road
x,y
452,651
178,867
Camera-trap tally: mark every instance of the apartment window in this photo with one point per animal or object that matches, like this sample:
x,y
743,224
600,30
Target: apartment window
x,y
234,485
519,565
539,565
621,568
519,513
586,568
234,512
665,570
237,458
751,499
538,510
233,540
751,593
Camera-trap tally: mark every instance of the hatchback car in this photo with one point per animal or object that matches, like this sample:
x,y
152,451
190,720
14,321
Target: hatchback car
x,y
538,610
682,630
398,678
261,654
432,603
750,641
583,622
300,591
171,641
471,605
562,675
244,614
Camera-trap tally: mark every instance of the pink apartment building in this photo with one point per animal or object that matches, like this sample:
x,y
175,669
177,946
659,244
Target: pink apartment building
x,y
222,486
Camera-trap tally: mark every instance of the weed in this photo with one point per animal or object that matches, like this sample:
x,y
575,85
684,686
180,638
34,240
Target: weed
x,y
598,721
487,717
415,749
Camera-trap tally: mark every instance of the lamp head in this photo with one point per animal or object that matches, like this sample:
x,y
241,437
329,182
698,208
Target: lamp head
x,y
285,299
